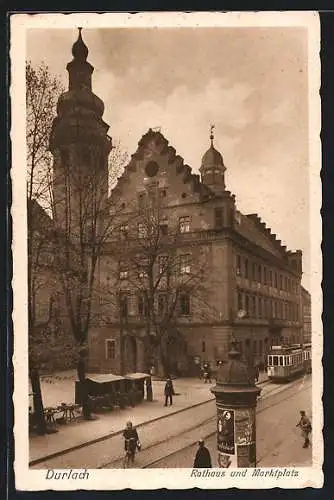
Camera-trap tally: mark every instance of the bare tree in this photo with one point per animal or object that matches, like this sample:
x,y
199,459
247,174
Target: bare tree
x,y
83,215
165,268
46,332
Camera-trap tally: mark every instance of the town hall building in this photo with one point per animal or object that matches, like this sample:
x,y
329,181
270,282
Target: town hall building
x,y
182,272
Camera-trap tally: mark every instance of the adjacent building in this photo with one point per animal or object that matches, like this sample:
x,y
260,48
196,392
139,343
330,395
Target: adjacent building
x,y
306,315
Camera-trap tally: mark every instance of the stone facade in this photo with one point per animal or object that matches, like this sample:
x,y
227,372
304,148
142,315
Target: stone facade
x,y
306,315
231,278
251,284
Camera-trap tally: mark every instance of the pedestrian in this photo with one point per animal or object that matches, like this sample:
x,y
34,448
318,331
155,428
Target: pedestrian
x,y
202,457
152,371
131,443
207,373
169,391
306,428
257,373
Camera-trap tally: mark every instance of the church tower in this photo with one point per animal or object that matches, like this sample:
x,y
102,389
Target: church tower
x,y
80,146
212,168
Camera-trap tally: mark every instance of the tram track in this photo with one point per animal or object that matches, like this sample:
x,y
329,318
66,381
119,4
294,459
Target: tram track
x,y
207,436
206,429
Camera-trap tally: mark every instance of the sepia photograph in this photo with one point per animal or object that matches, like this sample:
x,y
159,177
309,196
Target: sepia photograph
x,y
166,247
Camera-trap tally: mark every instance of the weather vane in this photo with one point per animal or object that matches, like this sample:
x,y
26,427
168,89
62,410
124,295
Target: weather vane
x,y
211,133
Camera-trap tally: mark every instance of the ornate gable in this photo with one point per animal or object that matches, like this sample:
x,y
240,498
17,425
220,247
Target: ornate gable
x,y
156,161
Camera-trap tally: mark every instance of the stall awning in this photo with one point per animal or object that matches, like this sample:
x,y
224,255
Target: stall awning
x,y
136,376
102,378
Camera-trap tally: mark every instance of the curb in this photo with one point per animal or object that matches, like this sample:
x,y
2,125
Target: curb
x,y
112,434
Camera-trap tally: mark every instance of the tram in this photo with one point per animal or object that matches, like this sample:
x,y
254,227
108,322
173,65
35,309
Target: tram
x,y
287,362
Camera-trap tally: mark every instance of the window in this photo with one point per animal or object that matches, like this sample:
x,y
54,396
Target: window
x,y
275,360
110,348
247,304
142,305
162,263
270,277
253,271
254,347
281,360
142,274
185,264
276,280
203,346
123,271
219,218
184,224
285,310
163,225
184,304
280,309
253,306
142,230
260,347
246,268
240,301
162,304
260,307
238,265
280,282
259,273
124,231
163,193
123,303
266,308
265,276
274,309
152,196
285,283
141,200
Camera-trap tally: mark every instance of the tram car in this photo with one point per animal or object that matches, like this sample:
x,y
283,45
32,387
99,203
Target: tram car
x,y
307,348
287,362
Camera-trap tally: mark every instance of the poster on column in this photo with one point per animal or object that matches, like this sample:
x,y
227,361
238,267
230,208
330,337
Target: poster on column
x,y
245,437
225,431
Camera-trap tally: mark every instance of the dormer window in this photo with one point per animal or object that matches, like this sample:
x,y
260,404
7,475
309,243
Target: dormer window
x,y
219,217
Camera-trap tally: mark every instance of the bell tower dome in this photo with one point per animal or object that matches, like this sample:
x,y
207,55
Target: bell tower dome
x,y
212,168
80,145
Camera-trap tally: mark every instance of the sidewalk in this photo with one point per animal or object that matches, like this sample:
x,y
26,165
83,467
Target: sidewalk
x,y
60,388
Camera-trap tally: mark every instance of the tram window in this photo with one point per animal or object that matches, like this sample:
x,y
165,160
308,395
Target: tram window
x,y
275,360
281,360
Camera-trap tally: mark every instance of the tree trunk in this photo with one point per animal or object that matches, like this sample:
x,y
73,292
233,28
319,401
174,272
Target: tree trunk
x,y
38,402
81,369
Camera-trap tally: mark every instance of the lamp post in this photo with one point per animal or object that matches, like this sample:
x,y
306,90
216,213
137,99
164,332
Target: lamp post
x,y
236,397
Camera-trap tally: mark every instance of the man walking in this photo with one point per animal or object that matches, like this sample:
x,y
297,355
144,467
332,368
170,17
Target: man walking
x,y
306,428
169,391
202,458
207,373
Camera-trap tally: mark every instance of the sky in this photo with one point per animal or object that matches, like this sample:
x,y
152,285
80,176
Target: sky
x,y
251,83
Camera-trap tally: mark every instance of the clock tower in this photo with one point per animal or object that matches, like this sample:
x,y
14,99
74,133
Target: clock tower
x,y
80,146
